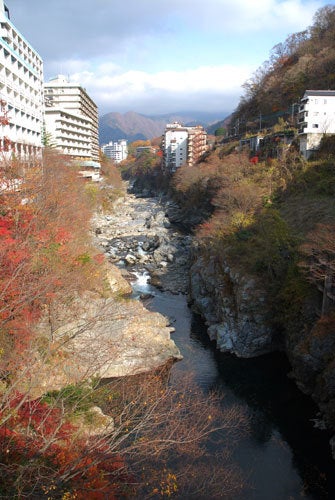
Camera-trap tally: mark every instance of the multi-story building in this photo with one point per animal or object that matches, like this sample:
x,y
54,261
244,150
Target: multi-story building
x,y
21,92
117,150
182,145
316,117
71,119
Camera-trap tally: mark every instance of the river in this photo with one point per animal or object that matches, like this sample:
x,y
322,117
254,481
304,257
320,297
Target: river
x,y
283,455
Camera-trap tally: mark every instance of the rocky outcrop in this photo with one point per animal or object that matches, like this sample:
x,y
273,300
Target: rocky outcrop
x,y
312,357
234,308
238,316
186,217
97,336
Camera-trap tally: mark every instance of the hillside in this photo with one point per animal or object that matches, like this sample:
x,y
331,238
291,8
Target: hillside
x,y
133,126
306,60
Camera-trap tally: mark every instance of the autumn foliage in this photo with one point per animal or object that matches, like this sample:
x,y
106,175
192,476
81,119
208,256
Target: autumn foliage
x,y
143,433
41,455
46,255
44,252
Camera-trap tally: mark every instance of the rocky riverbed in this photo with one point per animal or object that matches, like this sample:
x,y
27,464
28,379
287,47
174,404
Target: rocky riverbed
x,y
115,335
138,237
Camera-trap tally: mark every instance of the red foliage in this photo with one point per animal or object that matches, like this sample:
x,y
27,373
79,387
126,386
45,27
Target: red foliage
x,y
254,160
99,258
43,226
34,431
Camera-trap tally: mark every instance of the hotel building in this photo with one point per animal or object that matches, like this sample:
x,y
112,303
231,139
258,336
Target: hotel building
x,y
21,93
182,145
316,119
116,150
71,120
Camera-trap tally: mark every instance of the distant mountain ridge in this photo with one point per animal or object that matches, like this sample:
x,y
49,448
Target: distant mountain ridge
x,y
134,126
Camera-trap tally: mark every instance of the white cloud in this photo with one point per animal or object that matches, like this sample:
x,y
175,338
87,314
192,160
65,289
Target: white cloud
x,y
150,55
125,89
244,15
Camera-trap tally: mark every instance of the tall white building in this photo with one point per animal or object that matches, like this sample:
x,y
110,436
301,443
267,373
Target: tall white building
x,y
316,118
21,92
117,150
183,145
71,119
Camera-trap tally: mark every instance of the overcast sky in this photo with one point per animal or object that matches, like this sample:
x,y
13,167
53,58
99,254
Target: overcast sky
x,y
159,56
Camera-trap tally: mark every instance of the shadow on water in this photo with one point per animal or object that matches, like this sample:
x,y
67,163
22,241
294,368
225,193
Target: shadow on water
x,y
283,456
280,417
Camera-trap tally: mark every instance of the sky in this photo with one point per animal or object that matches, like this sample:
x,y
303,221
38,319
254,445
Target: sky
x,y
159,56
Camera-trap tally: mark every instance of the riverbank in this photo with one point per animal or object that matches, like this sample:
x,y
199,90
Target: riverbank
x,y
282,447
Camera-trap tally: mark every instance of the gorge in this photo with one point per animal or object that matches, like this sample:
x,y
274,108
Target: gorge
x,y
283,454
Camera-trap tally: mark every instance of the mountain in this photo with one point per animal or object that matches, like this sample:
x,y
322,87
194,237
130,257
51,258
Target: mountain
x,y
222,123
134,126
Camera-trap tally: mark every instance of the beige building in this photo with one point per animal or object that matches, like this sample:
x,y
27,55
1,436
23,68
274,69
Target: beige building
x,y
183,145
71,120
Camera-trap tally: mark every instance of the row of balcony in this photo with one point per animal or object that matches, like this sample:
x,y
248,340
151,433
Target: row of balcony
x,y
20,70
18,42
73,135
16,59
73,125
23,89
65,143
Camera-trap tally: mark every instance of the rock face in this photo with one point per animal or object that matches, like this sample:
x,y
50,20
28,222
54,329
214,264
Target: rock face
x,y
234,308
312,356
99,337
238,318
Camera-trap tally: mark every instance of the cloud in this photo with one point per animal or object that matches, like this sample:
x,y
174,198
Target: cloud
x,y
113,27
151,55
245,16
117,90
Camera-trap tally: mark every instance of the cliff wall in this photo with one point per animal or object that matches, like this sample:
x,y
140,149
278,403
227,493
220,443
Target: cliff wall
x,y
239,317
234,307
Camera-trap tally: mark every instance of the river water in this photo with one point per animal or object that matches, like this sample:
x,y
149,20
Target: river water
x,y
283,455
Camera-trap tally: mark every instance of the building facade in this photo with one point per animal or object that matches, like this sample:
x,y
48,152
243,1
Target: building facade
x,y
316,117
21,93
182,145
71,120
117,150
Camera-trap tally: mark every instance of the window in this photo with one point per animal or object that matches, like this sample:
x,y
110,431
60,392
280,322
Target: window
x,y
315,125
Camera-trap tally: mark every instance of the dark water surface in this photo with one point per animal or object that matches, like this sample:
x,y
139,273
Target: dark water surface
x,y
283,456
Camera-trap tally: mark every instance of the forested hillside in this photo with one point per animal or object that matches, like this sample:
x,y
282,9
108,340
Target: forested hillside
x,y
264,256
305,60
134,126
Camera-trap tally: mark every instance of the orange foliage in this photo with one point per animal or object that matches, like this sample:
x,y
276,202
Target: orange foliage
x,y
33,433
45,254
44,227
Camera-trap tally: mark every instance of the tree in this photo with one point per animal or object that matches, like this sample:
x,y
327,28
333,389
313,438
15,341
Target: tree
x,y
220,131
60,445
